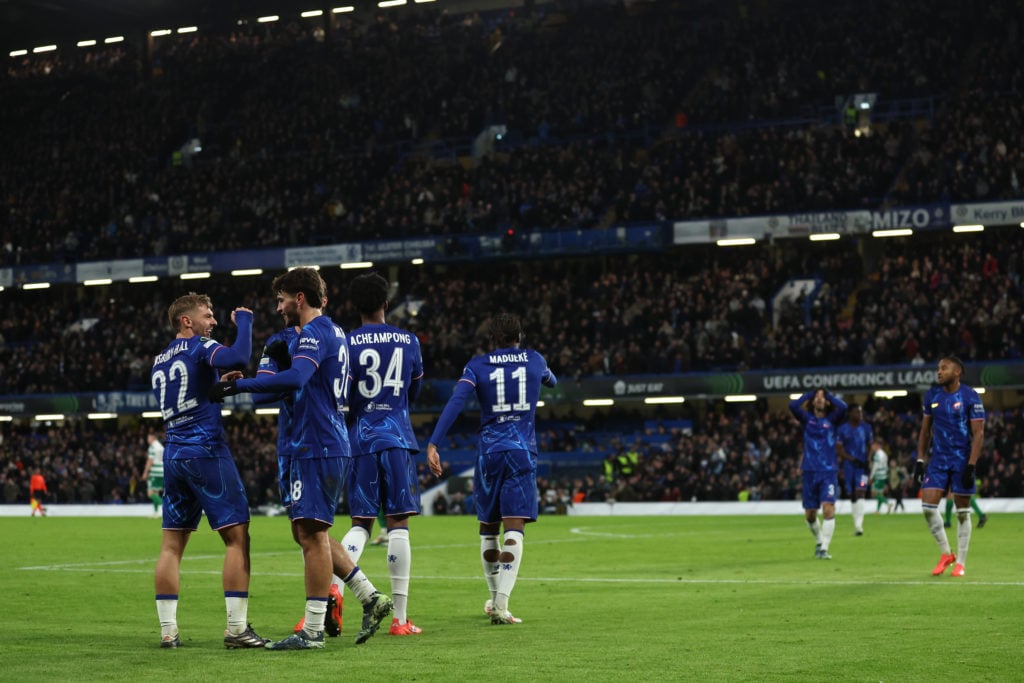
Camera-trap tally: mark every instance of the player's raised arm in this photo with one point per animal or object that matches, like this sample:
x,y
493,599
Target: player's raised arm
x,y
236,356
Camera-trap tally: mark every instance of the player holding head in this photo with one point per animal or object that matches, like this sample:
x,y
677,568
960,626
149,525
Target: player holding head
x,y
507,385
154,471
954,427
199,472
387,372
319,450
819,466
852,441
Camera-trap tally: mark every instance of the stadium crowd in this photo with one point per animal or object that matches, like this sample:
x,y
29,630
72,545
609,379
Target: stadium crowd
x,y
751,454
297,147
613,115
695,309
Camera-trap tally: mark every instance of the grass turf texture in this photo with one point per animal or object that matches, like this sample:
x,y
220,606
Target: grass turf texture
x,y
602,599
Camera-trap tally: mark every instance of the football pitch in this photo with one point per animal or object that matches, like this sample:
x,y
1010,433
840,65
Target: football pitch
x,y
601,598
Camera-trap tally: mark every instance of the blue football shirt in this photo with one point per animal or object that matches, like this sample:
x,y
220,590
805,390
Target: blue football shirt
x,y
819,433
951,415
387,367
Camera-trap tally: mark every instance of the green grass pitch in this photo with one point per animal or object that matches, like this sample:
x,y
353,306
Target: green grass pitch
x,y
601,598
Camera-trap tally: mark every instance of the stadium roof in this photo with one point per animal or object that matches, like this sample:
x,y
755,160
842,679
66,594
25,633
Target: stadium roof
x,y
26,23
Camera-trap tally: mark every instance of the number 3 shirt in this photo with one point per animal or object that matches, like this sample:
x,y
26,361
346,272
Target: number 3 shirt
x,y
507,384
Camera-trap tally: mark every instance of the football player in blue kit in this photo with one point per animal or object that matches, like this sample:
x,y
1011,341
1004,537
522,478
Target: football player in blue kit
x,y
819,467
507,383
387,372
319,451
199,472
954,427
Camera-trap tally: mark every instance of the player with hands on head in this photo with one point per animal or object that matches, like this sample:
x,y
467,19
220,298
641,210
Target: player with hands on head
x,y
507,384
819,466
953,427
199,472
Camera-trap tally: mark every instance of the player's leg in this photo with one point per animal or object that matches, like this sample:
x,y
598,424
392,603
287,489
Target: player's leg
x,y
181,518
982,517
485,497
400,500
948,517
962,497
853,478
930,499
518,505
166,582
221,493
809,498
828,488
315,489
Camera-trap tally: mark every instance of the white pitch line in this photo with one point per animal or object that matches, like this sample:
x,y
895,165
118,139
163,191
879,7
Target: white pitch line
x,y
597,579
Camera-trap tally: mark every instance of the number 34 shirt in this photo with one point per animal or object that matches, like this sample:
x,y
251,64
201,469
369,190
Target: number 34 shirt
x,y
507,385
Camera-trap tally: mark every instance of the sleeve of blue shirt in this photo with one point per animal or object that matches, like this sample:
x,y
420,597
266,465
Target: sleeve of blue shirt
x,y
291,379
236,356
796,406
451,411
839,409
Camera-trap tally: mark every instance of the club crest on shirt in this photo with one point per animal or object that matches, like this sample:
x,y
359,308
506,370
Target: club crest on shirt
x,y
958,406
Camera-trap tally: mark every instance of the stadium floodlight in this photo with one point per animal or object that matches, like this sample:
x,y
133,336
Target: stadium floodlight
x,y
1022,224
736,242
101,281
152,415
194,276
343,10
6,418
314,267
900,232
22,53
48,416
312,13
417,262
541,404
890,393
247,271
793,397
113,39
979,390
268,19
102,416
824,236
142,278
969,228
660,400
267,411
357,264
36,285
598,402
420,2
1,288
44,48
390,3
188,29
85,43
160,32
740,398
225,412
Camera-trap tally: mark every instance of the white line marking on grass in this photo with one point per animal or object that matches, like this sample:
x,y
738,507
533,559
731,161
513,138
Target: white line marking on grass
x,y
590,579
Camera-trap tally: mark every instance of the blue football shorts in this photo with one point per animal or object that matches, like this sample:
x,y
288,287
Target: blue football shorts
x,y
201,479
505,485
385,479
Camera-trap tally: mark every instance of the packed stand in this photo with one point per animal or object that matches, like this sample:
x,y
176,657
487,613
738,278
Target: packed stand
x,y
299,147
746,455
